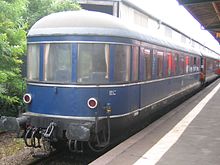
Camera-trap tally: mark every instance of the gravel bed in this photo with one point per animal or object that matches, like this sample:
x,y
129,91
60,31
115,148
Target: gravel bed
x,y
13,150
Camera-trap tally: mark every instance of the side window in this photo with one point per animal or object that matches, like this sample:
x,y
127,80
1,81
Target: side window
x,y
57,62
195,64
135,63
147,63
175,64
209,65
181,64
216,64
160,55
202,64
33,60
154,65
191,64
187,63
122,59
198,63
169,64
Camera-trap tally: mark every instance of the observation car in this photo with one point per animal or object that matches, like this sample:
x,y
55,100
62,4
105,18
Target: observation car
x,y
90,77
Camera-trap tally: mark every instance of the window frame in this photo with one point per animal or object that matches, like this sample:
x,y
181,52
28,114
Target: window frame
x,y
181,64
135,63
107,60
169,55
128,70
146,62
160,63
47,57
38,64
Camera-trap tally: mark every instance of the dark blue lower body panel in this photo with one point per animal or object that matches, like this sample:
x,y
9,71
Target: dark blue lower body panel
x,y
155,91
123,99
130,104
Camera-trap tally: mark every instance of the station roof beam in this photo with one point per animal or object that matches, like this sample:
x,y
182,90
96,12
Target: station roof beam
x,y
207,12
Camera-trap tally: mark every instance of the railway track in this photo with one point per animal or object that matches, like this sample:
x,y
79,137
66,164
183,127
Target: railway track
x,y
2,132
65,158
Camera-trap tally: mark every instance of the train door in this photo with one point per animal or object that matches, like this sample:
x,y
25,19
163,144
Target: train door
x,y
118,94
145,72
133,90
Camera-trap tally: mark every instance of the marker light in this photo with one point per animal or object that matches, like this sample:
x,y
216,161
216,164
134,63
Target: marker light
x,y
92,103
27,98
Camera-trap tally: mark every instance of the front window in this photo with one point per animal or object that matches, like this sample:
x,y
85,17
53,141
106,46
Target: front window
x,y
93,63
58,62
33,62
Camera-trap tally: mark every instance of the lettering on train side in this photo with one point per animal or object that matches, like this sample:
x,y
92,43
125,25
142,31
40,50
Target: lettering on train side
x,y
112,93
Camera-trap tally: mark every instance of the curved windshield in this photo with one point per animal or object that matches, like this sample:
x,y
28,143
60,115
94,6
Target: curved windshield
x,y
57,62
33,62
93,63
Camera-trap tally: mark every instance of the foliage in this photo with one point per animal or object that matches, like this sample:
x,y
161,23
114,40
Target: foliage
x,y
12,48
16,16
39,8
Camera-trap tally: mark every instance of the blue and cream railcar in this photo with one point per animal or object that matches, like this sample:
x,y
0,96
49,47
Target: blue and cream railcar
x,y
90,77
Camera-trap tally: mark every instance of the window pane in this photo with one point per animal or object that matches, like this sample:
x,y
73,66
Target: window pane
x,y
175,62
181,64
93,63
57,62
209,66
169,64
187,64
195,64
191,64
33,62
160,64
147,63
135,63
122,63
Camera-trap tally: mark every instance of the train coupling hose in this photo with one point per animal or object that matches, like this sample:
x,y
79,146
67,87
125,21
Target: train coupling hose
x,y
12,123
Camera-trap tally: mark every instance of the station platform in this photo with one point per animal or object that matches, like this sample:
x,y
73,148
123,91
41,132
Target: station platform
x,y
187,135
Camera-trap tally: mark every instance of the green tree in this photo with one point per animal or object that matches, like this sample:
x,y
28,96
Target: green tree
x,y
12,48
16,17
39,8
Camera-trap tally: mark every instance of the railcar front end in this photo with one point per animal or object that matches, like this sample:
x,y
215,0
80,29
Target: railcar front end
x,y
70,89
90,78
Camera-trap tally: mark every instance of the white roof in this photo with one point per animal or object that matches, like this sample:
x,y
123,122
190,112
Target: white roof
x,y
84,22
70,22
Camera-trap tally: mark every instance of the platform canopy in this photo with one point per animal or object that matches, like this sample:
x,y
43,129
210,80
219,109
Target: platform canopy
x,y
207,12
